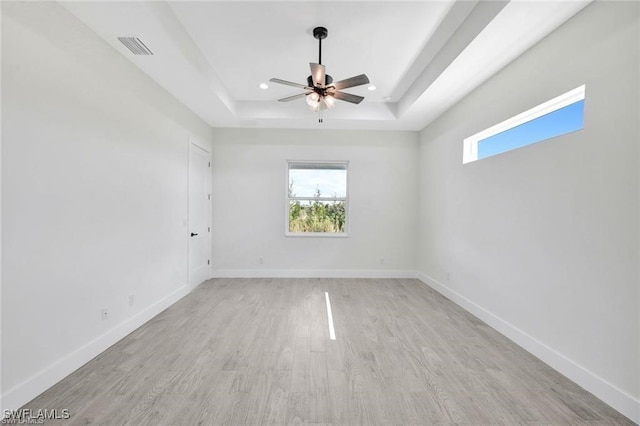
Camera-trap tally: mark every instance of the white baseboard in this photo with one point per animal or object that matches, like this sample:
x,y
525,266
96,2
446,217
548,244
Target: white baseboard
x,y
311,273
19,395
618,399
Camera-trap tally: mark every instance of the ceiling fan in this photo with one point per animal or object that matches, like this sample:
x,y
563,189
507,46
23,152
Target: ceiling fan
x,y
321,91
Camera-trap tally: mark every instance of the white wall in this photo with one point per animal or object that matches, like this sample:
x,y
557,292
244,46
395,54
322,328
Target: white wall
x,y
542,242
94,187
249,189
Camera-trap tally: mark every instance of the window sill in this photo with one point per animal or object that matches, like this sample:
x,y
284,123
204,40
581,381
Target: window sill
x,y
317,234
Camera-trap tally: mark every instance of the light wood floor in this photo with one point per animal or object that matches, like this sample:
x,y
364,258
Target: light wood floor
x,y
257,351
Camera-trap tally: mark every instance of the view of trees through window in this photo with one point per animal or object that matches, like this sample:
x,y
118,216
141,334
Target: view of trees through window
x,y
317,198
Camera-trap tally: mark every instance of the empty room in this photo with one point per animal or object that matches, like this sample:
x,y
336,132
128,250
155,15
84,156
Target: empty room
x,y
316,212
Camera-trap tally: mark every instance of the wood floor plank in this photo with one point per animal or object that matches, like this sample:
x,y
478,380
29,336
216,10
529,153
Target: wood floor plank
x,y
298,408
319,400
257,351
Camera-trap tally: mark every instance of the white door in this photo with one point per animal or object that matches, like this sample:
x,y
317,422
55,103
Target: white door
x,y
199,214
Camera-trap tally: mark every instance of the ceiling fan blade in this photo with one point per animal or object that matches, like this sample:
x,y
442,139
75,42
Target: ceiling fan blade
x,y
289,83
354,99
318,74
294,97
358,80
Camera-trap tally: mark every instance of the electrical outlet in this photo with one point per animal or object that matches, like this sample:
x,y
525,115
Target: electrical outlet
x,y
105,313
382,260
260,260
132,300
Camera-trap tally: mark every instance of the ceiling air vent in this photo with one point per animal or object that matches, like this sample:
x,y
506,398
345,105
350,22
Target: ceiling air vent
x,y
135,45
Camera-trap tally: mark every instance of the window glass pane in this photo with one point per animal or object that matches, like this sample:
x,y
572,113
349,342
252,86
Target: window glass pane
x,y
559,122
317,216
317,182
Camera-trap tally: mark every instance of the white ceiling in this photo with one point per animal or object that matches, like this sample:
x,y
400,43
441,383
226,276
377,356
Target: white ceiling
x,y
422,56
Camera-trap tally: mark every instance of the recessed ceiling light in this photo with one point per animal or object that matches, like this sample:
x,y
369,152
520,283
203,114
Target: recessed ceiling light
x,y
264,86
386,98
372,88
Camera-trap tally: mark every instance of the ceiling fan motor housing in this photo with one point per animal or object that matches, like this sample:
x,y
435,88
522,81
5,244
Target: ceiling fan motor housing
x,y
327,80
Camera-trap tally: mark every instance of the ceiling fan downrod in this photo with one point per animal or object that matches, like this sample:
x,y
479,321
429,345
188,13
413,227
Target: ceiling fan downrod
x,y
320,33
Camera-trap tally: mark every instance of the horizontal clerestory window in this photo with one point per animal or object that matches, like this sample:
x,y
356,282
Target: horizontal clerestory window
x,y
558,116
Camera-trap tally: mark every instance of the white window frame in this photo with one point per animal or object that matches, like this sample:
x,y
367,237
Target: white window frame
x,y
288,200
470,145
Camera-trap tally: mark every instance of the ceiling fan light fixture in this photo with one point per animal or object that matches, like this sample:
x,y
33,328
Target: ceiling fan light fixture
x,y
313,100
319,102
329,101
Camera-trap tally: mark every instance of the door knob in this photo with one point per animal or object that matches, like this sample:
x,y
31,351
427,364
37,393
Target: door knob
x,y
193,234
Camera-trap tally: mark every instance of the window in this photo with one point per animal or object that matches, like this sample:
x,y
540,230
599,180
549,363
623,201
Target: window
x,y
558,116
316,198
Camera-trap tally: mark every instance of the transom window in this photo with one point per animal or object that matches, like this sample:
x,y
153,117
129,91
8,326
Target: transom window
x,y
317,198
558,116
